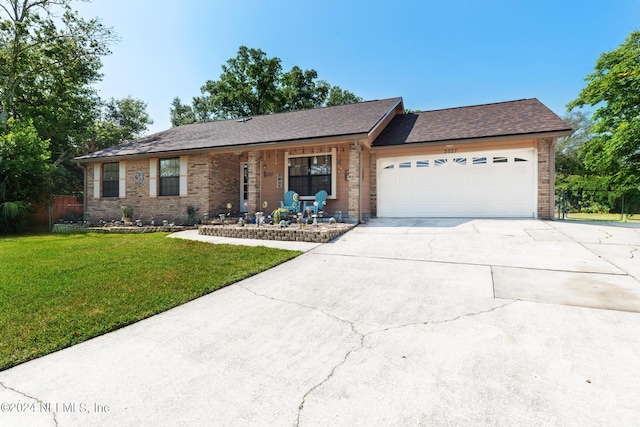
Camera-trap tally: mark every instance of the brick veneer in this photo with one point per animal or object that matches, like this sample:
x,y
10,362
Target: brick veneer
x,y
373,176
354,181
546,165
224,183
171,208
254,181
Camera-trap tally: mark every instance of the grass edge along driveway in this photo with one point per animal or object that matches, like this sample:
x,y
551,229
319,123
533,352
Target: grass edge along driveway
x,y
59,290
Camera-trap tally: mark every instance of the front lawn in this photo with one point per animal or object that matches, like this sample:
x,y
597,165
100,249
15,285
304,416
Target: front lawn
x,y
59,290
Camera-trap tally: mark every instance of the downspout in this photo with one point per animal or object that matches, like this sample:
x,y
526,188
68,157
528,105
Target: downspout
x,y
359,148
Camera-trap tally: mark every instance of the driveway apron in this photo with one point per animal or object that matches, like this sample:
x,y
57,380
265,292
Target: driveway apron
x,y
398,322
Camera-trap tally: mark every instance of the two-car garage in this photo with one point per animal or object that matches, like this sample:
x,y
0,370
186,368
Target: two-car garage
x,y
480,161
500,183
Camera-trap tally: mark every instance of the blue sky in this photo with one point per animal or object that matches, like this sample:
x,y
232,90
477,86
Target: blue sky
x,y
433,54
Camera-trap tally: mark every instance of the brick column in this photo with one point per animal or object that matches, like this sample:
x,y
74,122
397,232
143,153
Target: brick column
x,y
254,181
354,182
546,188
373,165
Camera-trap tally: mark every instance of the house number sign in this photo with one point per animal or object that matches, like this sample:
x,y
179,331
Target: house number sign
x,y
138,177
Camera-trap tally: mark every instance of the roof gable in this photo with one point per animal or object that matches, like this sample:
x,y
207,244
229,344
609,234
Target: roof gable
x,y
343,120
512,118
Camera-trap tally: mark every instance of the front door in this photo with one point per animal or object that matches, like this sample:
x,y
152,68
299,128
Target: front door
x,y
244,187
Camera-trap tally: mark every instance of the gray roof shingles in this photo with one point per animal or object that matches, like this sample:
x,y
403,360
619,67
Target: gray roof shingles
x,y
343,120
512,118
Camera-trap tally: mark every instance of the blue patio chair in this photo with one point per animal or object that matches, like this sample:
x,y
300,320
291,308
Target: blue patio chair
x,y
291,201
318,203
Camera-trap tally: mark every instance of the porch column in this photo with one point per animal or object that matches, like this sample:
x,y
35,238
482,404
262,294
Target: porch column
x,y
354,182
254,181
373,179
546,187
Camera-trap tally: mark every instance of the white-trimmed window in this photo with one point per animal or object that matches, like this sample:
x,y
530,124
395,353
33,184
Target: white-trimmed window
x,y
169,177
111,179
308,174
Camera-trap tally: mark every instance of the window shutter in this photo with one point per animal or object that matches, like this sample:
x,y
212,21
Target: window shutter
x,y
122,175
153,177
97,168
183,175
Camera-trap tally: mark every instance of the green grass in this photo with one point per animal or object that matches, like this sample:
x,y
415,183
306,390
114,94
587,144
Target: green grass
x,y
610,217
59,290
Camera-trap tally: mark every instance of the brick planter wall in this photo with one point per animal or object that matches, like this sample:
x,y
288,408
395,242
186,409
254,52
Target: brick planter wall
x,y
290,234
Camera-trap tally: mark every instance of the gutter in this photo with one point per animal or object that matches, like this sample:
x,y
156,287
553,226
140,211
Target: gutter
x,y
513,137
227,148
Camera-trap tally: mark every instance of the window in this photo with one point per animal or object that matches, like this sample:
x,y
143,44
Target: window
x,y
500,160
307,177
405,165
170,177
110,179
479,160
460,160
422,164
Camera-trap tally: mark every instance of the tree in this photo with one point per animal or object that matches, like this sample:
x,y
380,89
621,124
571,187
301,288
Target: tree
x,y
181,114
24,173
252,84
129,115
248,86
614,87
569,148
48,64
121,120
301,91
337,96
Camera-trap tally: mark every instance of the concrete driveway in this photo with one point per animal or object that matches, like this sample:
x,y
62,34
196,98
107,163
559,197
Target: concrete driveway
x,y
398,322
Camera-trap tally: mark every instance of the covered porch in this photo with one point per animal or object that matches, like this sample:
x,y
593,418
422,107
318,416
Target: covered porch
x,y
249,178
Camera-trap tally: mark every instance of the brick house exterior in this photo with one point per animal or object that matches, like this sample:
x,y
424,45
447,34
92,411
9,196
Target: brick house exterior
x,y
245,163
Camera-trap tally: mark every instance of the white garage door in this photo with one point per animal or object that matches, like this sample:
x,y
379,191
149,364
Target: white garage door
x,y
483,184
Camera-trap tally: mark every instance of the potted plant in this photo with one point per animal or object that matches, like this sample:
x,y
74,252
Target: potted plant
x,y
279,214
127,213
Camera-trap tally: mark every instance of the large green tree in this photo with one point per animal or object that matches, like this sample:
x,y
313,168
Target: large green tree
x,y
49,60
301,90
24,172
251,84
614,89
248,86
121,120
337,96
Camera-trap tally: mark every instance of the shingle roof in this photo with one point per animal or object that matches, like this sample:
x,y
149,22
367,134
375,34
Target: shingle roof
x,y
512,118
343,120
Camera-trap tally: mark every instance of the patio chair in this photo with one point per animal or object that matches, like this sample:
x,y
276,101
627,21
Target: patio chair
x,y
318,203
291,201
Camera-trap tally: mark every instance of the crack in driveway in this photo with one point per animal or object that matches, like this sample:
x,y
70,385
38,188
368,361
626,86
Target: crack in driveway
x,y
6,387
440,322
362,336
345,357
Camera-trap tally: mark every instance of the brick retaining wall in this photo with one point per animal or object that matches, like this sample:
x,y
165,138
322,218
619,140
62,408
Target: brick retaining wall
x,y
290,234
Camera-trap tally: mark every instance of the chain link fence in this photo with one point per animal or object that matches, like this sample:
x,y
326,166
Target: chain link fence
x,y
598,205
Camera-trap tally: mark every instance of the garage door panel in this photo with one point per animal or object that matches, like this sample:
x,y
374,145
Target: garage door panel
x,y
474,184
